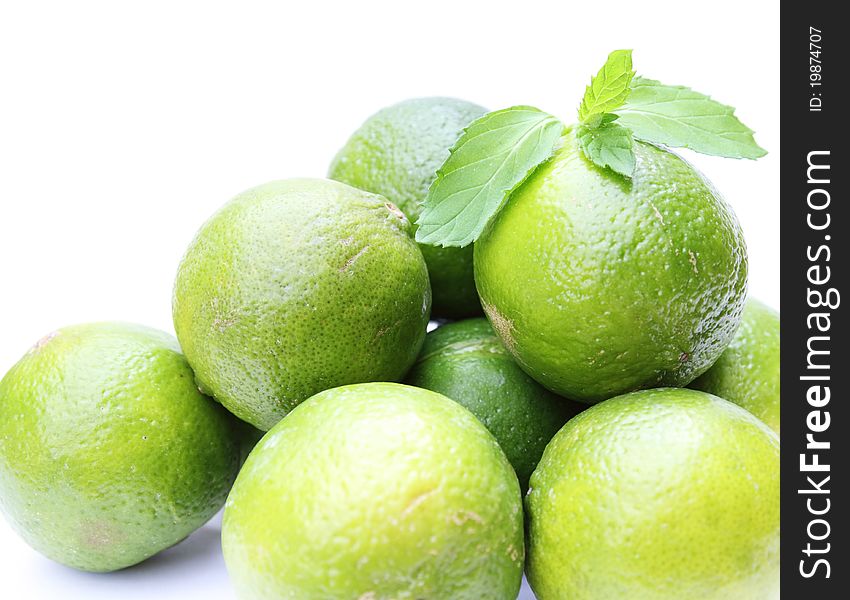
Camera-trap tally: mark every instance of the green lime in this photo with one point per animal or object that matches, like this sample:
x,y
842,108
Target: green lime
x,y
108,451
747,373
376,491
599,285
396,153
664,494
467,362
295,287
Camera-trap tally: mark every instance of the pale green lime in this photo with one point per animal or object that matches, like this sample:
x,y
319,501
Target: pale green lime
x,y
295,287
108,451
665,494
375,491
747,373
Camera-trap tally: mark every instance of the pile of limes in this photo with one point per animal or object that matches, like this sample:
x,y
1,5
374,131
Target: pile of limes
x,y
400,465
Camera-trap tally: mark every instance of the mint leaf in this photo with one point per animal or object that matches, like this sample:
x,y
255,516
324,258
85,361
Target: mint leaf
x,y
680,117
608,145
493,156
609,89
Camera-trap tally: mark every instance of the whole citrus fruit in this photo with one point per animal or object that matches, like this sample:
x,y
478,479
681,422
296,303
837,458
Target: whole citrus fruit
x,y
467,362
747,373
396,153
108,451
295,287
659,494
599,285
375,491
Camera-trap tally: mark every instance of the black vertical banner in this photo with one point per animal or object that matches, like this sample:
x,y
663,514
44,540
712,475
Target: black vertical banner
x,y
815,367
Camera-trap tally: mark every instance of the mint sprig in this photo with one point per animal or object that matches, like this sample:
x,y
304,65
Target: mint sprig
x,y
671,115
606,143
493,156
676,116
609,144
609,89
500,150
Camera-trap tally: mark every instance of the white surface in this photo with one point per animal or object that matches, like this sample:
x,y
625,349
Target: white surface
x,y
194,568
124,126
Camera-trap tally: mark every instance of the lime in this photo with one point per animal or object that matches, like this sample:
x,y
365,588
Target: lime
x,y
659,494
295,287
396,153
108,452
599,285
467,362
375,491
747,373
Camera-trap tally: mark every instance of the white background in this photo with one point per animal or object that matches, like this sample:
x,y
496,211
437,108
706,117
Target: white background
x,y
124,126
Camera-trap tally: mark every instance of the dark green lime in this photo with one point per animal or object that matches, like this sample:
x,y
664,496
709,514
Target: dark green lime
x,y
466,362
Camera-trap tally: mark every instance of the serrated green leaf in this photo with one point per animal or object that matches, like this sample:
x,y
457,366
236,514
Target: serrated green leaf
x,y
680,117
609,89
493,156
609,145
